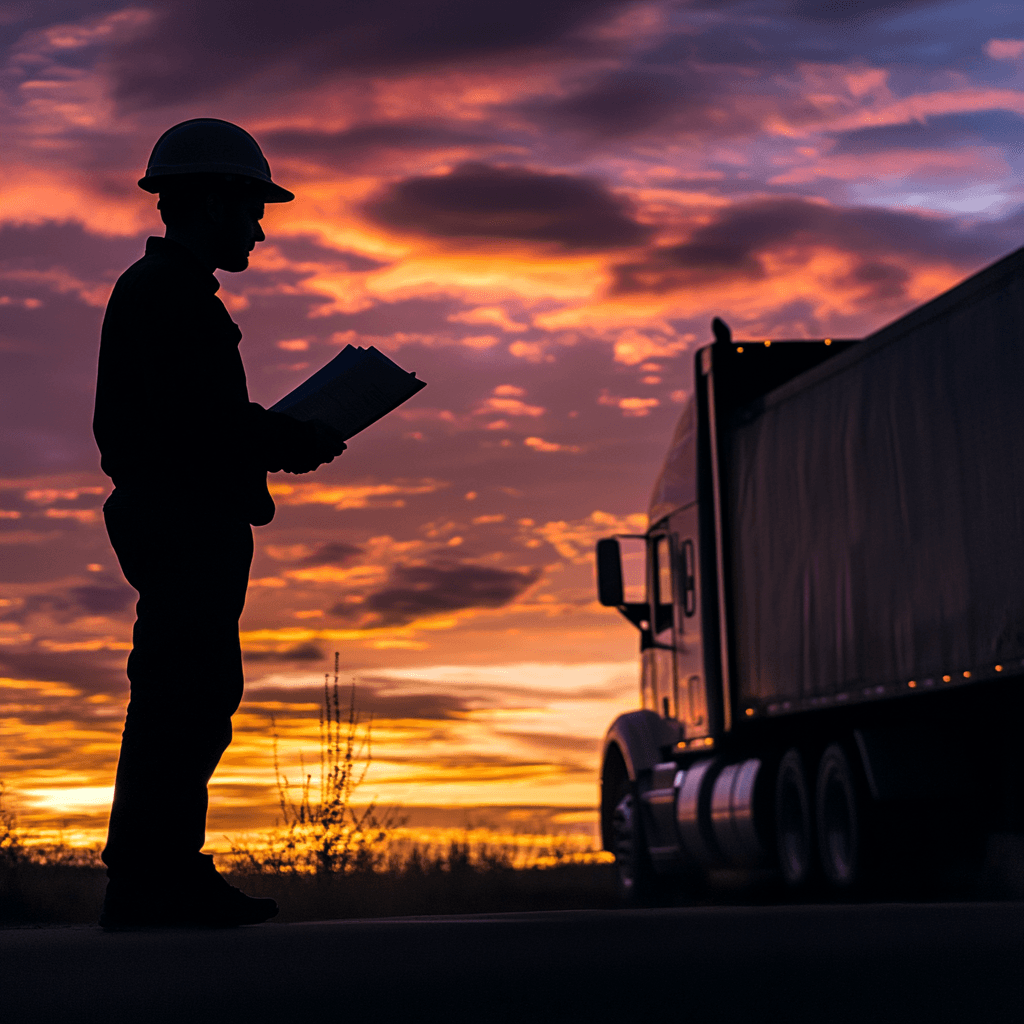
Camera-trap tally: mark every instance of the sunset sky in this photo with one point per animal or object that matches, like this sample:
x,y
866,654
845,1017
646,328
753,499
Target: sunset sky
x,y
538,207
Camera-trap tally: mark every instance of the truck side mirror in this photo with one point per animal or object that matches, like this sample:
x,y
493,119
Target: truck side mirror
x,y
609,573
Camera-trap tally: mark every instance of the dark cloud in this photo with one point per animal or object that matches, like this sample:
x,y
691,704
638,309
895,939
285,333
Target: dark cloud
x,y
296,652
89,671
555,744
851,10
618,104
480,201
878,280
392,705
103,600
67,246
416,590
307,249
192,49
333,554
637,101
368,141
732,245
812,10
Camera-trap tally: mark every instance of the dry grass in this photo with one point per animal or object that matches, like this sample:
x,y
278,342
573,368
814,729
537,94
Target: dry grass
x,y
454,888
462,882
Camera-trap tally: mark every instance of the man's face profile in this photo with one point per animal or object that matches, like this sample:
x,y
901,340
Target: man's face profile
x,y
236,230
221,226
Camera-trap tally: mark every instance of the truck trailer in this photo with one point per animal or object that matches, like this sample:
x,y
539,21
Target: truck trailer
x,y
832,635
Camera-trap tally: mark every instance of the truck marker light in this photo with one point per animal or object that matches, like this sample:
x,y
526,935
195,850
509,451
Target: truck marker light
x,y
967,675
828,341
708,741
999,668
912,684
945,679
750,712
739,348
767,344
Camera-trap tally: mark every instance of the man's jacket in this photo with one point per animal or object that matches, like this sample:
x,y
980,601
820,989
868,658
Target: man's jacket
x,y
173,420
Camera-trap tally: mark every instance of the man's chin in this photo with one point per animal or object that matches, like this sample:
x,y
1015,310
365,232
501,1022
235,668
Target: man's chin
x,y
235,265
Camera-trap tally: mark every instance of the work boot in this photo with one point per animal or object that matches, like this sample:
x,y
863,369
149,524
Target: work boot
x,y
198,898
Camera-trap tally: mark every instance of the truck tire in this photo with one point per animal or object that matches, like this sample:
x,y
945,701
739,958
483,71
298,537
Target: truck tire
x,y
839,816
794,835
634,872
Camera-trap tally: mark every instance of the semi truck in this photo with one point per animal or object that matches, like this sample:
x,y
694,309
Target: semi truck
x,y
832,634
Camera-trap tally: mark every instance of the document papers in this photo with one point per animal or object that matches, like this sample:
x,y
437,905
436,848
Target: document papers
x,y
356,388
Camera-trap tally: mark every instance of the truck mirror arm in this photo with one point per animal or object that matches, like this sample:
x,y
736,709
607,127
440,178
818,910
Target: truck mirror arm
x,y
638,614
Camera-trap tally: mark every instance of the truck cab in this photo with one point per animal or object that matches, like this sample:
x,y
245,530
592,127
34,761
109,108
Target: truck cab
x,y
661,764
673,676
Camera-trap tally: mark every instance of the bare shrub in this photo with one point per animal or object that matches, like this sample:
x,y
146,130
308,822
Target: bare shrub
x,y
322,831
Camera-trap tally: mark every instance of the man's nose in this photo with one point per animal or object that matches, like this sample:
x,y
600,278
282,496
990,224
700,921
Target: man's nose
x,y
259,236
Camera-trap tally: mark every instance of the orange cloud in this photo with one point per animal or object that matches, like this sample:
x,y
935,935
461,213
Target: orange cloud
x,y
509,407
488,315
538,444
351,497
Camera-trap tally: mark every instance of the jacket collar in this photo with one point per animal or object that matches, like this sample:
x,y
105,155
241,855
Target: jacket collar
x,y
180,254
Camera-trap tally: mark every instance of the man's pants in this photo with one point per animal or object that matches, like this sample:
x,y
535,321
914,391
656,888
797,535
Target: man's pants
x,y
185,670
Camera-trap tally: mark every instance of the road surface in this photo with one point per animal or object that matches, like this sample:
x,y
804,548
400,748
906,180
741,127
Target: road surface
x,y
851,964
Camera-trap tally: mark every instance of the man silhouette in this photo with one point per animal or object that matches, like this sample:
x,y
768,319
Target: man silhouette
x,y
188,454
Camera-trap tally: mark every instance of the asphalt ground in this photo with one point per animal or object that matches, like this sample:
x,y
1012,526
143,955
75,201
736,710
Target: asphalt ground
x,y
862,964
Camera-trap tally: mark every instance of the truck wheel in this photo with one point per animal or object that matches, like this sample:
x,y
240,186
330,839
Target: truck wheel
x,y
794,839
633,868
840,828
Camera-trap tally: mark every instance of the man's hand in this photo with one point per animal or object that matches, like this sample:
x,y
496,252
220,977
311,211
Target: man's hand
x,y
298,446
323,444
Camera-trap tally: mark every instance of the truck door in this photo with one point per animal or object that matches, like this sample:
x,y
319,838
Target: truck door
x,y
661,592
691,699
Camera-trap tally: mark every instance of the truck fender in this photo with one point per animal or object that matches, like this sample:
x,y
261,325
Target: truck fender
x,y
632,746
639,737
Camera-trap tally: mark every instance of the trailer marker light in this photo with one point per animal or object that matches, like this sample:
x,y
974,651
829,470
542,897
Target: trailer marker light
x,y
708,741
828,341
967,675
912,684
767,343
739,348
750,712
945,679
999,668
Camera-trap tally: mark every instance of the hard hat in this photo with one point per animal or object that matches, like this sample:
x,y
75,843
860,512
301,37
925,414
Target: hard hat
x,y
207,145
